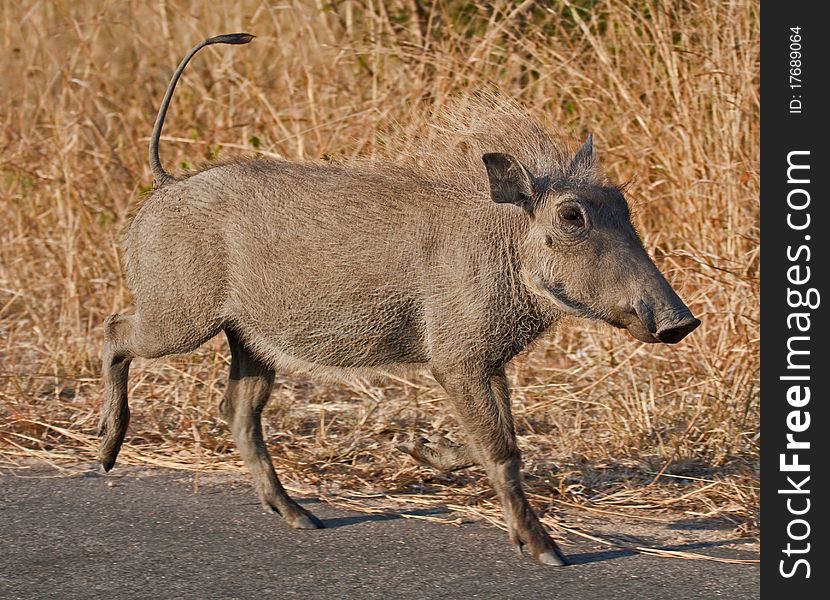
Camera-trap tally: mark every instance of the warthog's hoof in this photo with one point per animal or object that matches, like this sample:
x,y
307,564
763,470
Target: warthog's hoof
x,y
539,545
107,463
552,557
110,445
438,452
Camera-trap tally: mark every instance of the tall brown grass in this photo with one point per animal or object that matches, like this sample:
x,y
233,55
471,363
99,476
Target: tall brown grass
x,y
669,90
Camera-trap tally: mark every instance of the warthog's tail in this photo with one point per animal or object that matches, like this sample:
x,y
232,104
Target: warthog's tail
x,y
160,176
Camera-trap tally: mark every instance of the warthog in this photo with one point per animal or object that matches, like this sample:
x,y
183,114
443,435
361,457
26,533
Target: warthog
x,y
452,265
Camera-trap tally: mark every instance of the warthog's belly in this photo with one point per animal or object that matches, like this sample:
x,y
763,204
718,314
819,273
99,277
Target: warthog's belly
x,y
336,330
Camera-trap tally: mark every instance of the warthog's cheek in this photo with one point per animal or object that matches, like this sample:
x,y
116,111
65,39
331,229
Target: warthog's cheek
x,y
554,294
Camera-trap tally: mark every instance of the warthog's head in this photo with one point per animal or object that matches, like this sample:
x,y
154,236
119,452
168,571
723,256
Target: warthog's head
x,y
582,254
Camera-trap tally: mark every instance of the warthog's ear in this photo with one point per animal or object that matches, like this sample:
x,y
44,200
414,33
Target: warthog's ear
x,y
584,158
510,181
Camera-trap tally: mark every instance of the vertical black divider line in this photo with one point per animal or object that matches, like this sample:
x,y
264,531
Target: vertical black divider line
x,y
794,103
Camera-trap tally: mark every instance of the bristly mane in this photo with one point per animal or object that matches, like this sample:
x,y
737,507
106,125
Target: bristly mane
x,y
449,150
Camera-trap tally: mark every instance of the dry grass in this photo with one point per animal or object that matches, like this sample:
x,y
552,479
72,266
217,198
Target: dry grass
x,y
670,91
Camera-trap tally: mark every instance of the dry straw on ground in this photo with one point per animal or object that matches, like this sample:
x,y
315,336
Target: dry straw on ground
x,y
670,91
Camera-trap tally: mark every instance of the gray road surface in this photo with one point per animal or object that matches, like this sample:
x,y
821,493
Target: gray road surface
x,y
148,534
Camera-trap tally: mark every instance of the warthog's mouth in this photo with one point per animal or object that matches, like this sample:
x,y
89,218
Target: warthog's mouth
x,y
556,294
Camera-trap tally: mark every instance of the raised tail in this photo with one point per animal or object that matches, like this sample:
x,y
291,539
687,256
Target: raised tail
x,y
160,176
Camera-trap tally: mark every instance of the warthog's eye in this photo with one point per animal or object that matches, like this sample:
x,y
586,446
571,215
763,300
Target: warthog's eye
x,y
571,216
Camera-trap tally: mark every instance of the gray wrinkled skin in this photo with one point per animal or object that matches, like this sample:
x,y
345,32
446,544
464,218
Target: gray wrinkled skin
x,y
451,267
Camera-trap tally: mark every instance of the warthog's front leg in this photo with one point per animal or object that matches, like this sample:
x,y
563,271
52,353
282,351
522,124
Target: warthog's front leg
x,y
483,406
438,452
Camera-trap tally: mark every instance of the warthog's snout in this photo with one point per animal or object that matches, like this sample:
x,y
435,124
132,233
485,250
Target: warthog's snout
x,y
667,325
675,332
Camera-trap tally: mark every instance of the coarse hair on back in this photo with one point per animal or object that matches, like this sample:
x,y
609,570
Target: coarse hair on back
x,y
449,149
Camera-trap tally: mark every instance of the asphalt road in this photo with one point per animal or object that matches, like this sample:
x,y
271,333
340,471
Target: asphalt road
x,y
153,534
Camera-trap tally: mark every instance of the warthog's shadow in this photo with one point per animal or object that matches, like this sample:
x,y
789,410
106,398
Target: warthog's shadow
x,y
384,515
626,541
611,554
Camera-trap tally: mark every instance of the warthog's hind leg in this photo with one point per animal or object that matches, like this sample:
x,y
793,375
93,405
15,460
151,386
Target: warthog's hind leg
x,y
438,452
249,387
129,336
115,410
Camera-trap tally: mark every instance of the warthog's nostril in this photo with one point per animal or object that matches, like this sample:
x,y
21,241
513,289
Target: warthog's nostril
x,y
672,335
